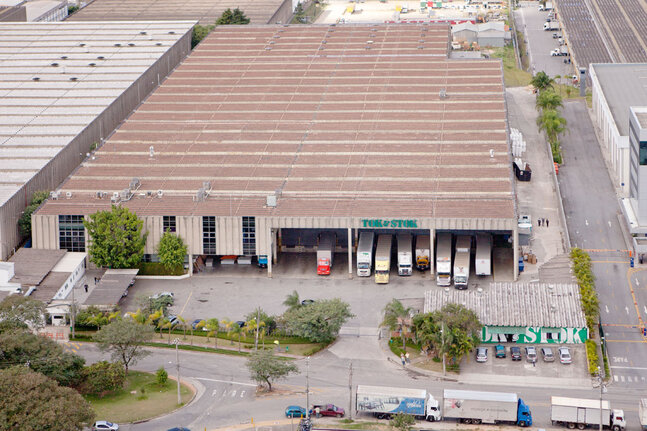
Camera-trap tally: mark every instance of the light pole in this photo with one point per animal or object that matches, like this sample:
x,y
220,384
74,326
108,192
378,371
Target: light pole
x,y
176,341
308,387
442,348
602,390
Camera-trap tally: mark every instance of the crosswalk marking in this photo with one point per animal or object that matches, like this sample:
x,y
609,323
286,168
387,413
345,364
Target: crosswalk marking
x,y
622,378
615,377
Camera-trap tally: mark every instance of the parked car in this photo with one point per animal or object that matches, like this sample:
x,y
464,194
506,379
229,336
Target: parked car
x,y
173,319
327,410
531,354
481,354
499,350
515,353
564,355
295,412
163,294
195,323
104,426
547,354
179,429
307,301
241,323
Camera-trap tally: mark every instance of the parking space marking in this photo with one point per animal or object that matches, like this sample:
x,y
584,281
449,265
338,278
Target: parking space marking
x,y
628,368
226,381
186,303
615,377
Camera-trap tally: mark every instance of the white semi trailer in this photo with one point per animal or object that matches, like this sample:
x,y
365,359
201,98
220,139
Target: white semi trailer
x,y
405,256
444,259
581,413
365,254
462,260
483,264
475,407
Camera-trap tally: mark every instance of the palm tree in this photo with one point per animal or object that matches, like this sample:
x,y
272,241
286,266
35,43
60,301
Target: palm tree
x,y
229,324
201,324
551,123
236,330
137,316
114,315
541,81
548,100
161,325
98,320
557,78
182,324
292,301
212,326
397,317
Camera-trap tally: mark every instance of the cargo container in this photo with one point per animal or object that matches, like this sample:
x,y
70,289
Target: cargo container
x,y
444,259
483,261
462,260
365,254
383,258
383,402
475,407
581,413
405,254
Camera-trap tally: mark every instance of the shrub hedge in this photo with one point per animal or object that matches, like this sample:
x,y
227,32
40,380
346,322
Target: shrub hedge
x,y
156,268
592,356
590,304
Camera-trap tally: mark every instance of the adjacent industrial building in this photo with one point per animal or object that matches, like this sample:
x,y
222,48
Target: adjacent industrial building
x,y
525,313
267,136
65,88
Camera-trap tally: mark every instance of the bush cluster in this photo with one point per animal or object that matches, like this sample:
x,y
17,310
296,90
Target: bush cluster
x,y
592,356
586,280
157,268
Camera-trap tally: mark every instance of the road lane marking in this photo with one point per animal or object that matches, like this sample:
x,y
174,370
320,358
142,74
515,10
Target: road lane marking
x,y
606,307
225,381
608,221
622,379
627,309
627,368
626,341
645,308
586,221
615,377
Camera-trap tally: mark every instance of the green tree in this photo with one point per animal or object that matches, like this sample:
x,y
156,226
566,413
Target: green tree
x,y
548,100
161,376
103,377
30,401
124,339
235,17
402,421
265,368
269,322
397,317
461,330
212,325
551,123
541,81
426,330
318,322
292,301
41,355
17,311
116,239
24,222
199,33
171,250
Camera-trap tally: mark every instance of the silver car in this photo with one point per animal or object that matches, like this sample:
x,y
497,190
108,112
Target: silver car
x,y
547,354
531,354
564,355
481,354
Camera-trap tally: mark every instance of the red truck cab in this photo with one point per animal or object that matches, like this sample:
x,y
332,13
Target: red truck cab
x,y
323,266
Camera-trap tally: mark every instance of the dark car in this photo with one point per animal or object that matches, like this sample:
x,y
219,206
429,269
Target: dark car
x,y
499,350
515,353
295,412
307,301
195,323
241,323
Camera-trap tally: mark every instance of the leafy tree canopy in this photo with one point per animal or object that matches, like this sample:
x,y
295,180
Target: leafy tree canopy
x,y
235,17
318,322
17,311
32,402
266,368
24,222
548,100
403,421
123,338
397,317
103,377
541,81
171,250
116,239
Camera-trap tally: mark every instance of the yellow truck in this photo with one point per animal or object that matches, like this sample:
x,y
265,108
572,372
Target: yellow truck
x,y
383,258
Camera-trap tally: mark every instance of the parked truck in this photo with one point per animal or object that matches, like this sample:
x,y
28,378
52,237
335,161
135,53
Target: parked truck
x,y
462,260
326,252
483,264
365,254
383,258
475,407
581,413
423,252
444,259
405,256
551,25
383,402
545,7
642,413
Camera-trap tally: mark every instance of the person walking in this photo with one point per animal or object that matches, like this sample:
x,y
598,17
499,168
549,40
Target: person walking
x,y
546,222
86,288
538,222
402,359
406,357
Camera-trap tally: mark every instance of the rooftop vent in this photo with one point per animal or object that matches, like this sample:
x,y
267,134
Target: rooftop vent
x,y
81,44
443,93
101,57
64,57
142,32
73,78
158,44
125,194
92,64
206,185
131,44
99,195
68,195
271,201
151,151
160,193
54,64
54,195
134,184
117,44
115,197
171,32
268,48
201,195
35,78
421,47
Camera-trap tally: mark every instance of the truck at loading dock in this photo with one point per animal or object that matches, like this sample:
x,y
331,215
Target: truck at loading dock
x,y
383,258
365,254
405,256
483,261
383,402
475,407
462,260
642,413
423,252
444,259
326,252
581,413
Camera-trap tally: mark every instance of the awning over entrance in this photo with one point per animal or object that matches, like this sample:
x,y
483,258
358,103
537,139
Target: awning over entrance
x,y
111,288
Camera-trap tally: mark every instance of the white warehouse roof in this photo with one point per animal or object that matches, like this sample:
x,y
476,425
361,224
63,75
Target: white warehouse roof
x,y
56,78
546,305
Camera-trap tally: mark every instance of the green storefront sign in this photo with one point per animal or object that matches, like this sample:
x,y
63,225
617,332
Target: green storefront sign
x,y
393,223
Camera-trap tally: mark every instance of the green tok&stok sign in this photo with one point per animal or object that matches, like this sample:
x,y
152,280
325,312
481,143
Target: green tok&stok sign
x,y
389,223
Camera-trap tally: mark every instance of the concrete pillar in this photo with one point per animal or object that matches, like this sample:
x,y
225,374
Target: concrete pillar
x,y
190,264
515,254
432,254
350,252
268,250
275,254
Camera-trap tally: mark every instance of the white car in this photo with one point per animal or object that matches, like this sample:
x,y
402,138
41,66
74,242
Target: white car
x,y
564,355
162,294
104,425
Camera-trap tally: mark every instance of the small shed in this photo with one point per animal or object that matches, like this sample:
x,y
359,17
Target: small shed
x,y
526,313
491,33
465,32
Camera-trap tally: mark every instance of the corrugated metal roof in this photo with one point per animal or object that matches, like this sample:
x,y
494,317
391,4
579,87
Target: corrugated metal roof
x,y
32,265
343,121
111,287
517,304
55,78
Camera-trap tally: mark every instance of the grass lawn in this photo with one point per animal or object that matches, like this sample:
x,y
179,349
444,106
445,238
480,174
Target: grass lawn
x,y
347,424
512,76
141,398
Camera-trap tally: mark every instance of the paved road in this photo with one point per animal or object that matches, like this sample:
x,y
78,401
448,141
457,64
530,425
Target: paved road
x,y
592,217
225,397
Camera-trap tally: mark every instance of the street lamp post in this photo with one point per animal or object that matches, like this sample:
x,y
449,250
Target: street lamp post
x,y
176,341
602,390
442,352
308,387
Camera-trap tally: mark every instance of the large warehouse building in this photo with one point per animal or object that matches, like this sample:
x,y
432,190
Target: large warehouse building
x,y
66,86
266,136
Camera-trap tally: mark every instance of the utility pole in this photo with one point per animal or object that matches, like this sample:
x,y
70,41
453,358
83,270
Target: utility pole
x,y
308,387
442,335
601,391
73,314
258,324
176,341
350,390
